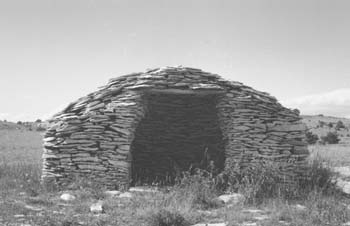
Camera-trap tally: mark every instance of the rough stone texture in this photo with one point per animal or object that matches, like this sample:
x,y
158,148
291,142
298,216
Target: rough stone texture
x,y
97,207
67,197
166,120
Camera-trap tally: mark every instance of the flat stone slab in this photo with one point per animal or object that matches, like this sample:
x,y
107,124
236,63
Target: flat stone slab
x,y
112,193
343,185
256,211
97,207
143,189
33,208
234,198
126,195
67,197
249,224
211,224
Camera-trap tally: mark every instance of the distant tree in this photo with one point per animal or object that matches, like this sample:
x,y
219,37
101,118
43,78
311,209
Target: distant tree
x,y
330,138
321,123
40,129
38,121
311,138
340,125
330,125
19,123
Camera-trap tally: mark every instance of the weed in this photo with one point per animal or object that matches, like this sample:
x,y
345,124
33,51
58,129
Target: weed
x,y
197,190
262,180
166,218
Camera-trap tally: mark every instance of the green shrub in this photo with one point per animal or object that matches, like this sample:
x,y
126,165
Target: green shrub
x,y
166,218
40,129
311,138
340,125
321,123
330,138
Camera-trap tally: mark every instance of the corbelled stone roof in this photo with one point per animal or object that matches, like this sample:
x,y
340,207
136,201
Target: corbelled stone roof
x,y
168,79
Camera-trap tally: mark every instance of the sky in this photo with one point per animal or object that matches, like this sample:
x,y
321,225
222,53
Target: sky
x,y
54,51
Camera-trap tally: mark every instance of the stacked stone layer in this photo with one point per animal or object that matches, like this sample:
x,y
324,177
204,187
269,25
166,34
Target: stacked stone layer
x,y
94,137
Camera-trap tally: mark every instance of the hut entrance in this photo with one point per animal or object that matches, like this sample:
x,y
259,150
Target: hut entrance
x,y
179,132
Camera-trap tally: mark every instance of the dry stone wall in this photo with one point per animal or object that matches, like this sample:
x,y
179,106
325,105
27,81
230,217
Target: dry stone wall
x,y
92,137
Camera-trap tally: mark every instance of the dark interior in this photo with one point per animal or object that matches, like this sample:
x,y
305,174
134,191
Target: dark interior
x,y
180,132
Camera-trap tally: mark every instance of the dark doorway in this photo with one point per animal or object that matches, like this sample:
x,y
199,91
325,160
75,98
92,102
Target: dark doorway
x,y
180,132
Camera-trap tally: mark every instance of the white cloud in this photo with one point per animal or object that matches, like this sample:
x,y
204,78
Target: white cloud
x,y
55,110
16,117
4,116
334,103
30,116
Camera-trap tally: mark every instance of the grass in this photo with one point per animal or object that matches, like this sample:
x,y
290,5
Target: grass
x,y
185,204
336,154
17,146
191,200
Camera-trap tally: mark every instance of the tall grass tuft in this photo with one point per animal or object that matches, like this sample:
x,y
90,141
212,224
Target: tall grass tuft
x,y
165,217
262,180
319,178
196,190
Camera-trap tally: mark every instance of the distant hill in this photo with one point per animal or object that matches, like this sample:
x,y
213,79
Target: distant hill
x,y
31,126
321,125
4,125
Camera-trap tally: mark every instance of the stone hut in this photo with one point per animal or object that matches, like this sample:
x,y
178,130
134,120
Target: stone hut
x,y
148,127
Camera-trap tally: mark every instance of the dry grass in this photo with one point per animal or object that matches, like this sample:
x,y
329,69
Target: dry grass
x,y
336,154
21,145
187,203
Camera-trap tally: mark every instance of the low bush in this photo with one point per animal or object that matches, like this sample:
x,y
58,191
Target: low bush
x,y
340,125
263,180
330,138
311,138
166,218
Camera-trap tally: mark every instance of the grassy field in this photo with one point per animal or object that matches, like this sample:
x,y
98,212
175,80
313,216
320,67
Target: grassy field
x,y
321,125
23,201
20,145
336,154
